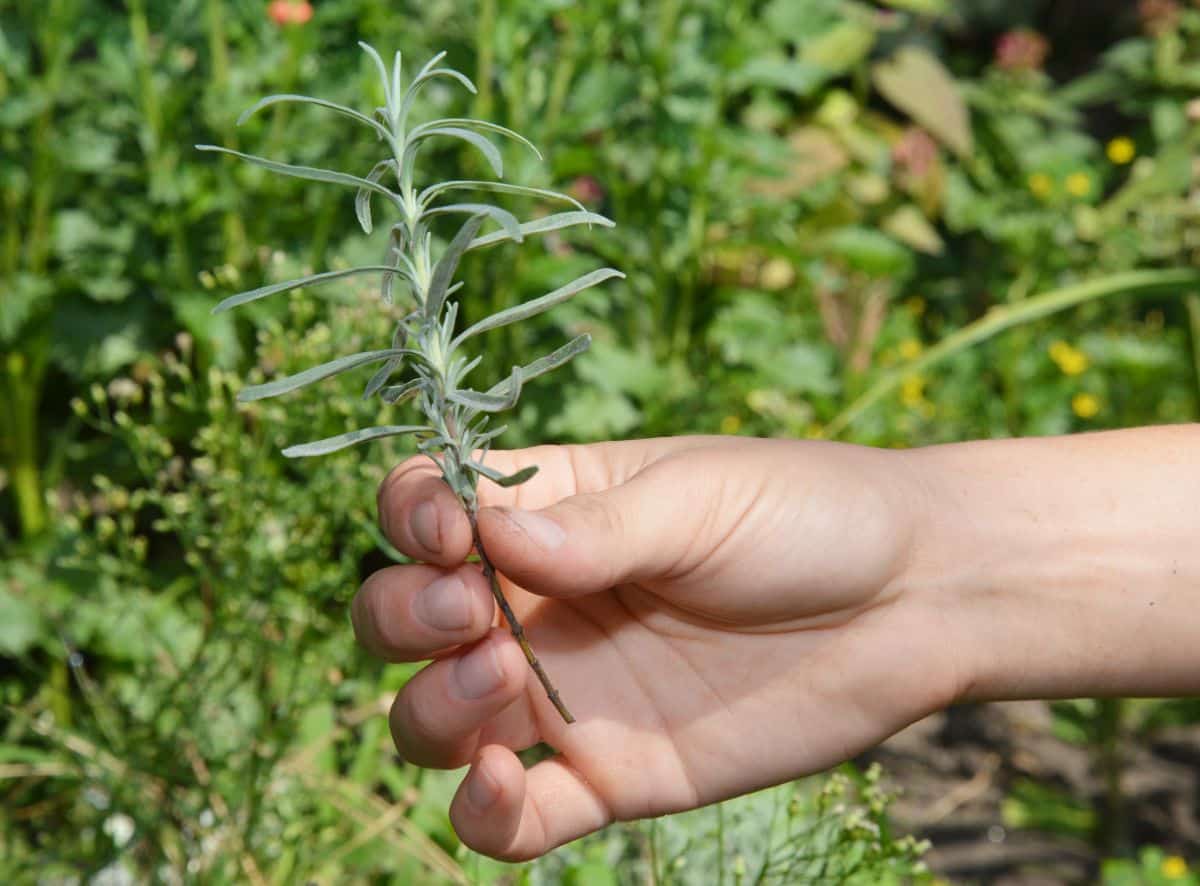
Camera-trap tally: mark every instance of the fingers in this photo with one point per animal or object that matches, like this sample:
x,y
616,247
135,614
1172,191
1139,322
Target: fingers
x,y
408,613
420,515
437,718
646,528
512,814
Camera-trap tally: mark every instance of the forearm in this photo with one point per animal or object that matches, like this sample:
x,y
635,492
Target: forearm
x,y
1069,566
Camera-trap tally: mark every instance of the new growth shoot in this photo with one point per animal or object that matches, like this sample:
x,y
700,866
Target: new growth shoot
x,y
454,426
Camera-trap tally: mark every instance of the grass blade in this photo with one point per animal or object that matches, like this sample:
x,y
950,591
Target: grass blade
x,y
1003,318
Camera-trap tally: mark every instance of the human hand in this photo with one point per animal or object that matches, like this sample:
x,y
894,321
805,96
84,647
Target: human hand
x,y
720,614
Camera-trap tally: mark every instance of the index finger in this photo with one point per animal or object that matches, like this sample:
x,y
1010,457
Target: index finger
x,y
421,516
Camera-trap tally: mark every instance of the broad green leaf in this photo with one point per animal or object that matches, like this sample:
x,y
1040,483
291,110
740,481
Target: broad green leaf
x,y
468,122
447,265
496,477
498,187
532,308
787,75
489,150
342,441
263,291
916,82
551,361
362,200
841,48
555,222
380,130
508,221
307,172
870,252
317,373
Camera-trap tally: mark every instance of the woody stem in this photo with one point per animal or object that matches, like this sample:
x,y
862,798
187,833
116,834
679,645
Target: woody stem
x,y
489,572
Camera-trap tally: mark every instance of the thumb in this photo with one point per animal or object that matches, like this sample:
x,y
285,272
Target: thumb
x,y
640,530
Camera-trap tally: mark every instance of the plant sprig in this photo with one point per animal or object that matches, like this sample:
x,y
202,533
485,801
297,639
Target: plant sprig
x,y
455,432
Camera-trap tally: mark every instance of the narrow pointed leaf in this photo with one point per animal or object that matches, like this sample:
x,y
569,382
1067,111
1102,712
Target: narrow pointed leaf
x,y
496,477
306,172
498,187
506,219
362,200
317,373
263,291
380,378
447,265
401,392
503,396
397,72
380,130
389,98
471,123
555,222
342,441
430,73
532,308
489,150
551,361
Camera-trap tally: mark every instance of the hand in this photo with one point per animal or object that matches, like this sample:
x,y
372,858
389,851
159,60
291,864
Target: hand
x,y
720,615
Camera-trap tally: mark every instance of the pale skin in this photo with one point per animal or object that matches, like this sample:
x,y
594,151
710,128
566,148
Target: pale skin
x,y
724,614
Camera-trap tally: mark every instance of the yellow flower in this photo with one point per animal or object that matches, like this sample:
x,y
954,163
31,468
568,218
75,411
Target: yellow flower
x,y
1041,185
1174,867
1085,405
731,424
1079,184
1121,150
912,391
1070,360
910,349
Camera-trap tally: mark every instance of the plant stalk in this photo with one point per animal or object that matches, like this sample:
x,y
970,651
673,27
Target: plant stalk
x,y
489,572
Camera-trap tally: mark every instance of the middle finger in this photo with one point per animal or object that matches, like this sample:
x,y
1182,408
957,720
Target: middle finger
x,y
409,613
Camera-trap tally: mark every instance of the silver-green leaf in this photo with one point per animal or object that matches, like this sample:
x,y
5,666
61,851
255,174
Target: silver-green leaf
x,y
544,225
312,280
380,130
342,441
307,172
532,308
317,373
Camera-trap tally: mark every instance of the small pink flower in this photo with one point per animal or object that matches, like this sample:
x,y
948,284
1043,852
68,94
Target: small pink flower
x,y
915,152
1022,50
586,190
289,12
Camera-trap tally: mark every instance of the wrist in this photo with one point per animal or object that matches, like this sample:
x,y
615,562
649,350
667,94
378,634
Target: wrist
x,y
1065,566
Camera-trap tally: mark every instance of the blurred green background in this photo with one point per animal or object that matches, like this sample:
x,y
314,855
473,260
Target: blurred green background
x,y
897,223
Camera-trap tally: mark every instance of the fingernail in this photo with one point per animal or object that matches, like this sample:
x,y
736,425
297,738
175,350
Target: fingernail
x,y
481,790
542,531
444,604
478,672
425,527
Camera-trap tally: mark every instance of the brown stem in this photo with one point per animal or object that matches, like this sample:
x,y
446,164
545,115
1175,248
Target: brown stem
x,y
489,572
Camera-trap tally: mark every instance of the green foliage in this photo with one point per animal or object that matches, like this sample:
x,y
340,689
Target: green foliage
x,y
834,222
